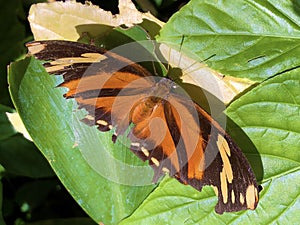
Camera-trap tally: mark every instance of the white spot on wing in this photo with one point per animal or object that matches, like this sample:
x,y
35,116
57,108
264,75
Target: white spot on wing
x,y
225,154
242,199
224,188
155,161
232,197
35,47
251,196
135,144
89,117
215,190
102,122
165,170
145,151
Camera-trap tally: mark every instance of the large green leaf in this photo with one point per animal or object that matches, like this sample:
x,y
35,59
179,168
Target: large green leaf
x,y
84,159
253,39
269,115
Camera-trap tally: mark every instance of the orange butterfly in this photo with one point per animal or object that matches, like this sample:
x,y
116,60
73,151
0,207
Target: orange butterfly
x,y
169,130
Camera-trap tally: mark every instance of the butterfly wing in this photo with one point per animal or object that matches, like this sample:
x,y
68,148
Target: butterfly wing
x,y
175,134
226,169
94,77
180,138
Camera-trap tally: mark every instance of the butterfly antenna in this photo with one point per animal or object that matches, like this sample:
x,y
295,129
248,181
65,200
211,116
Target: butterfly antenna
x,y
180,49
154,56
169,58
199,65
208,58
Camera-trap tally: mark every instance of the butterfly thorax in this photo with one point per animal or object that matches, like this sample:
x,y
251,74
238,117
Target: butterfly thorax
x,y
158,95
161,90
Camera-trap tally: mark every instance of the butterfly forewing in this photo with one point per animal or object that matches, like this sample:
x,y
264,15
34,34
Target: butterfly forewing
x,y
165,127
96,82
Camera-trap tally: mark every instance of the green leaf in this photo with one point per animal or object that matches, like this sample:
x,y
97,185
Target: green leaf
x,y
122,41
174,203
18,155
93,169
68,221
34,193
1,195
270,116
253,39
6,129
11,42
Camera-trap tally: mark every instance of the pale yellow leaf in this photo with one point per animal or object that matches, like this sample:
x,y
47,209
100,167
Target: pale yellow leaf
x,y
17,123
225,88
67,20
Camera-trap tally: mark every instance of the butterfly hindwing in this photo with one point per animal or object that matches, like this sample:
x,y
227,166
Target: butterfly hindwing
x,y
168,129
198,157
230,174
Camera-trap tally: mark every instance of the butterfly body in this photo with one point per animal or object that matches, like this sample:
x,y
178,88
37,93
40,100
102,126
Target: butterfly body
x,y
157,95
163,124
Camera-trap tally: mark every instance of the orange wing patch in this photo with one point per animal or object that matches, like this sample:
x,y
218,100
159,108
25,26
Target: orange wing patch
x,y
153,134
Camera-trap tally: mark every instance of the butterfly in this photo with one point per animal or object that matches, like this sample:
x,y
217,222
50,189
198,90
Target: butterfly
x,y
164,126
